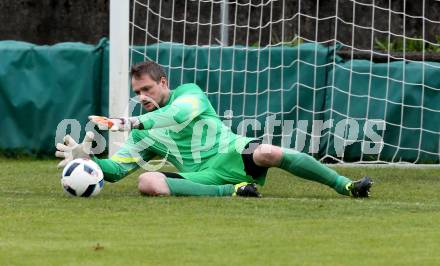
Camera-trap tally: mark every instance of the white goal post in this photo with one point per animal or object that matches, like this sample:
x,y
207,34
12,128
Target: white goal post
x,y
119,66
347,81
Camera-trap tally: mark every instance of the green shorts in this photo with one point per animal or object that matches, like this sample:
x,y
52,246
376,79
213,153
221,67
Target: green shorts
x,y
230,168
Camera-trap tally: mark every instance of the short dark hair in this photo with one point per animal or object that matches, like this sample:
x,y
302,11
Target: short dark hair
x,y
154,70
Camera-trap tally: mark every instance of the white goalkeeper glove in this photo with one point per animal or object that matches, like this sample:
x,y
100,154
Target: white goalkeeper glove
x,y
70,150
115,124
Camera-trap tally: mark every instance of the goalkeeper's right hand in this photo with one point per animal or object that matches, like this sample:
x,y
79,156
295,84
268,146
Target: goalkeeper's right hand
x,y
70,150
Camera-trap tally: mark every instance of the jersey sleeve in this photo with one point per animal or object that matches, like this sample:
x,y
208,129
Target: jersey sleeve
x,y
183,109
125,160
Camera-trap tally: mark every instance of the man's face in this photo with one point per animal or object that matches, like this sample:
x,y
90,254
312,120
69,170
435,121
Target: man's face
x,y
150,92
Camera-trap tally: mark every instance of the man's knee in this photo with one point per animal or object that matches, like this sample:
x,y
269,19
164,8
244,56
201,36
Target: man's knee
x,y
153,184
267,155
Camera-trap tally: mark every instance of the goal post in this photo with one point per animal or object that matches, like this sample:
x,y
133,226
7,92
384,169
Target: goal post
x,y
118,66
346,81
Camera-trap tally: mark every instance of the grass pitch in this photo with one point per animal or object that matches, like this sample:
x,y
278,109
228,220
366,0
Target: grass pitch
x,y
296,223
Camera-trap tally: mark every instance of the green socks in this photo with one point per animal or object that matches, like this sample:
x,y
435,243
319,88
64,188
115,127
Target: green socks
x,y
307,167
184,187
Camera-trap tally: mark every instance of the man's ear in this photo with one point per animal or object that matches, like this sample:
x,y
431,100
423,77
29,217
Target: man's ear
x,y
164,81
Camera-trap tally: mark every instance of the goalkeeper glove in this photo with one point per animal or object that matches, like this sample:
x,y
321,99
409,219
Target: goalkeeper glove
x,y
116,124
71,150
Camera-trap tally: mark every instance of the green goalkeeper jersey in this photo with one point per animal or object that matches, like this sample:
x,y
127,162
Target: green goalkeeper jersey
x,y
187,132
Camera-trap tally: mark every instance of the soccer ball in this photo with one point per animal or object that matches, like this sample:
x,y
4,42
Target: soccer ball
x,y
82,178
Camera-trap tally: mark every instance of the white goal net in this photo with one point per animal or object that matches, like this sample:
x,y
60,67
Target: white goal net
x,y
345,81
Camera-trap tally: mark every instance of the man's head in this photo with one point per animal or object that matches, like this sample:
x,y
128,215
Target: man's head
x,y
150,83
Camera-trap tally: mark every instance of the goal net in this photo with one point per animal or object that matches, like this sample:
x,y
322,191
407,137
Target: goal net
x,y
344,81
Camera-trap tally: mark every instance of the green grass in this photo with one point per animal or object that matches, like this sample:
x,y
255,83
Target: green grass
x,y
297,222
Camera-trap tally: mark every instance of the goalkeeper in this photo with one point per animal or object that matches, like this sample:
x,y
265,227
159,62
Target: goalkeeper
x,y
182,127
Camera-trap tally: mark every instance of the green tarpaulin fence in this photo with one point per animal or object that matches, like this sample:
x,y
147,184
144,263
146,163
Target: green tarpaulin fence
x,y
41,85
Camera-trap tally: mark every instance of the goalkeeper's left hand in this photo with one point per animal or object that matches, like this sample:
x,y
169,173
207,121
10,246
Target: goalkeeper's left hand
x,y
115,124
70,150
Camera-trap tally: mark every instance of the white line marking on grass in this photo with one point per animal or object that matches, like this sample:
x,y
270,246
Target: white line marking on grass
x,y
360,201
371,201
